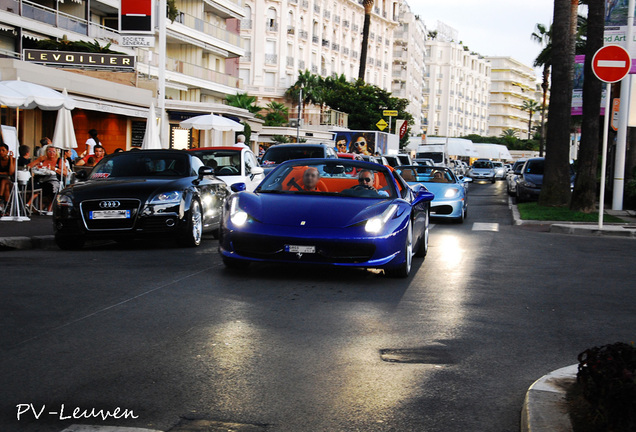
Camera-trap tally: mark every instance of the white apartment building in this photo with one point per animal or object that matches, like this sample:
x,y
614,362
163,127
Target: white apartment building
x,y
408,64
512,83
284,37
457,84
203,47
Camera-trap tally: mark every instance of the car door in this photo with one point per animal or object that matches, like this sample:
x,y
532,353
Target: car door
x,y
212,193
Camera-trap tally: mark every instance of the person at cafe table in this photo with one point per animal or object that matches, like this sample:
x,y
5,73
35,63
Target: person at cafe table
x,y
99,155
46,170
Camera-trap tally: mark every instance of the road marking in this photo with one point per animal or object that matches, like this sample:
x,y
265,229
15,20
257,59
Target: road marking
x,y
485,226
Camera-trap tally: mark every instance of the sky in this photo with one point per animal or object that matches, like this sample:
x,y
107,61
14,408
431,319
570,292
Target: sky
x,y
490,27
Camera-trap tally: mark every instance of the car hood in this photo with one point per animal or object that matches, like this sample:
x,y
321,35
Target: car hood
x,y
124,188
438,189
314,211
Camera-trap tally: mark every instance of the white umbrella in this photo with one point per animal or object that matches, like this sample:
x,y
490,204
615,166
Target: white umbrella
x,y
212,122
33,96
64,135
151,135
38,96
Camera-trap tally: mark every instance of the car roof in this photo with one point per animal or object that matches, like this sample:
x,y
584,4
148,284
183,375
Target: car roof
x,y
218,148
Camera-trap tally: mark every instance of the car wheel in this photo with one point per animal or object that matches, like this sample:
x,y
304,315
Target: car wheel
x,y
404,269
69,242
234,264
519,197
461,217
493,180
194,228
422,249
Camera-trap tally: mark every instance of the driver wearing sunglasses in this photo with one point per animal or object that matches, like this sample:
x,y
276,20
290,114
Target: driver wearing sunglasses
x,y
366,179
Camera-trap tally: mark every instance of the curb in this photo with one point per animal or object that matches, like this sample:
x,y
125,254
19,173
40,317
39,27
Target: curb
x,y
574,228
35,242
544,407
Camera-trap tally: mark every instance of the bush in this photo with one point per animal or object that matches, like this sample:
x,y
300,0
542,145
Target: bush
x,y
607,376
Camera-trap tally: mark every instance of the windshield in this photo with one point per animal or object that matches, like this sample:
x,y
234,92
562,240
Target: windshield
x,y
339,178
280,154
143,164
482,164
534,167
224,162
437,157
426,174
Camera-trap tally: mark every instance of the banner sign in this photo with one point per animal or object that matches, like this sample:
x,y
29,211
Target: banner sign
x,y
135,16
616,27
82,59
577,91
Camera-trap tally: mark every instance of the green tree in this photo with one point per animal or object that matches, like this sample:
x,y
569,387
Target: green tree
x,y
584,194
556,184
276,114
531,106
245,101
311,87
75,46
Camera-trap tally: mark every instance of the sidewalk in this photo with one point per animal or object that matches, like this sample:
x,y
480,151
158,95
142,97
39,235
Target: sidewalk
x,y
626,229
36,233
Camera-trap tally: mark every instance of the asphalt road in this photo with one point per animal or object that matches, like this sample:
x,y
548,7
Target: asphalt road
x,y
167,334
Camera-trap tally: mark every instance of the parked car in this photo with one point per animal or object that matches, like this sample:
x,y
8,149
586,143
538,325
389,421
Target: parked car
x,y
378,223
500,170
158,193
511,177
530,180
232,164
405,159
425,161
392,160
451,199
482,169
277,154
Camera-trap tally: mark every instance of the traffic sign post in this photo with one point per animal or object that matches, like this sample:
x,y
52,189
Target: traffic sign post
x,y
610,64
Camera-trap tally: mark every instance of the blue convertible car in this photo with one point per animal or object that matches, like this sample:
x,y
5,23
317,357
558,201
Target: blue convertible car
x,y
328,211
450,192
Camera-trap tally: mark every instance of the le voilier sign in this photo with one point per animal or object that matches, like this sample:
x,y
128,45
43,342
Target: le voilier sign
x,y
69,58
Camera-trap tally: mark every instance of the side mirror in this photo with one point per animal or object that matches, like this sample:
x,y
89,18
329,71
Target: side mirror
x,y
238,187
205,171
519,171
81,175
257,171
467,179
423,195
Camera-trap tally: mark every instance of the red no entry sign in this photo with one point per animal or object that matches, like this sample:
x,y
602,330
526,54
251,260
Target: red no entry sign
x,y
611,63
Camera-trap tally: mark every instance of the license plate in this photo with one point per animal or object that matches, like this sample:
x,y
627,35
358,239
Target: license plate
x,y
300,249
110,214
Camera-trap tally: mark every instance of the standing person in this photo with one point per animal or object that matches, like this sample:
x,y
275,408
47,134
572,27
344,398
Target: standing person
x,y
240,141
91,142
44,143
7,171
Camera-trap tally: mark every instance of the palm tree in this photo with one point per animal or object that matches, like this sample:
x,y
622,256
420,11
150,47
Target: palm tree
x,y
584,195
307,83
243,100
556,180
368,6
542,35
531,106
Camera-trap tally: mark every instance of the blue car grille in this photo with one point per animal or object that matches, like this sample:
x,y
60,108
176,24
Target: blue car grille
x,y
327,251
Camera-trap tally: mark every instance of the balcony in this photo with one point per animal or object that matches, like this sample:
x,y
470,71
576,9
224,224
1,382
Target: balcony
x,y
291,30
314,69
271,27
246,24
303,34
271,59
187,73
335,46
326,14
58,19
325,43
290,61
315,39
224,8
316,8
301,64
217,36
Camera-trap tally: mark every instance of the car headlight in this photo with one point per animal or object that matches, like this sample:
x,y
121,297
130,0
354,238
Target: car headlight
x,y
528,184
63,200
237,215
451,193
375,224
173,197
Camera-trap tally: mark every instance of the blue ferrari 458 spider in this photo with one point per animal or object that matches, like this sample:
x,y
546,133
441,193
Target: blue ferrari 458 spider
x,y
450,191
328,211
